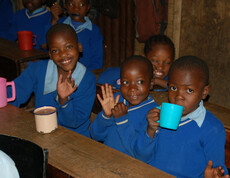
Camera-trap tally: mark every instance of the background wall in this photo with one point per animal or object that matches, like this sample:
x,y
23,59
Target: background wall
x,y
205,33
197,27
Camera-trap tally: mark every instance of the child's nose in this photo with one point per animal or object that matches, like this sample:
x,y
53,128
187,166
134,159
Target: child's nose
x,y
179,95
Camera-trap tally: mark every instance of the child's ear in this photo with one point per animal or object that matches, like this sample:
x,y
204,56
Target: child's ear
x,y
80,49
206,91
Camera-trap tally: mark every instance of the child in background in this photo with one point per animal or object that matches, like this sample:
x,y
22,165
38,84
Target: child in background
x,y
34,17
62,81
160,50
6,16
130,106
89,34
200,136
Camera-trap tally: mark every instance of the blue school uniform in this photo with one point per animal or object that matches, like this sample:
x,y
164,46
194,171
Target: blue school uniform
x,y
41,78
185,152
34,22
104,129
6,16
90,37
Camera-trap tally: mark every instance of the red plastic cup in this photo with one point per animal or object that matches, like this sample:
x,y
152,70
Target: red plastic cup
x,y
25,40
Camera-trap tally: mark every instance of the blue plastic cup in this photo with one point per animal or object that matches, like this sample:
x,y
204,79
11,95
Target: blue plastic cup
x,y
170,115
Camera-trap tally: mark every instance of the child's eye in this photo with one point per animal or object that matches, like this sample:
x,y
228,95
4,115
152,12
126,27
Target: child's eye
x,y
54,51
69,47
189,91
139,82
125,82
71,4
173,88
82,4
154,62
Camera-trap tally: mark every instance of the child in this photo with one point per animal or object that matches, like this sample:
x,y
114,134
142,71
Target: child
x,y
200,137
34,17
62,82
134,103
89,34
160,50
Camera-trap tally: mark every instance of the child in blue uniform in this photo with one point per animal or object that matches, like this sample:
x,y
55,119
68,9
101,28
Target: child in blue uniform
x,y
160,50
89,34
130,106
6,15
200,136
62,81
34,17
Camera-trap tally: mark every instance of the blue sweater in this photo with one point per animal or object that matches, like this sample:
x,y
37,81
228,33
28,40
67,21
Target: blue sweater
x,y
75,113
23,20
6,16
184,152
104,129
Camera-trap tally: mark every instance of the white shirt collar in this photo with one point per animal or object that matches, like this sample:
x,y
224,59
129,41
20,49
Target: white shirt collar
x,y
198,115
51,77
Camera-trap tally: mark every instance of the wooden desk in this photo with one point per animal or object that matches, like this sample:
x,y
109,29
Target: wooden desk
x,y
71,154
10,50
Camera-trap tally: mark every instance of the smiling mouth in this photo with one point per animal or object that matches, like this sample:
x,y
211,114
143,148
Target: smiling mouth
x,y
67,61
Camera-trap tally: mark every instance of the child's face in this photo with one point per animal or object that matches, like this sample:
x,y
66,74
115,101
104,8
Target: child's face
x,y
135,82
32,5
64,50
77,9
187,89
161,57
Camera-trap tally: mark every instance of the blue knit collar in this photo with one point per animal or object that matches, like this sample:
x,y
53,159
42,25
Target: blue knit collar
x,y
148,101
87,24
37,12
51,77
198,115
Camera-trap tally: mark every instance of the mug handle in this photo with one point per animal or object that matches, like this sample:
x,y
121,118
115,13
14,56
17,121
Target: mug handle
x,y
35,39
13,91
158,107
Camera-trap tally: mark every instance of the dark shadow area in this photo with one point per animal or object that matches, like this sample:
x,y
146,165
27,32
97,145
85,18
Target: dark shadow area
x,y
8,69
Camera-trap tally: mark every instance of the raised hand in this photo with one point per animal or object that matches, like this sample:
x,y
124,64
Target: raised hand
x,y
65,87
211,172
119,110
107,101
56,10
152,118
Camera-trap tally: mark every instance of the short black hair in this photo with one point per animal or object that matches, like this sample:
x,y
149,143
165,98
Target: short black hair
x,y
60,28
141,59
191,63
158,39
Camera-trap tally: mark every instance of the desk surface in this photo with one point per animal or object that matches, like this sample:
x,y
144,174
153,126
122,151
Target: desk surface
x,y
73,153
10,50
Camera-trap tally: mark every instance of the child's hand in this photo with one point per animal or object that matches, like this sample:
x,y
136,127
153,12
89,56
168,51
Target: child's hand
x,y
65,87
211,172
56,10
152,118
107,102
119,110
